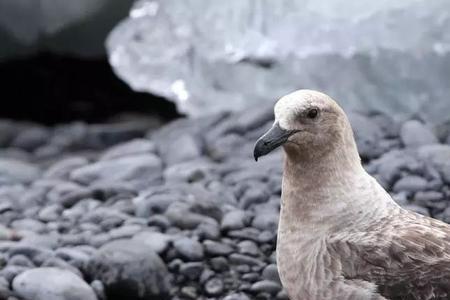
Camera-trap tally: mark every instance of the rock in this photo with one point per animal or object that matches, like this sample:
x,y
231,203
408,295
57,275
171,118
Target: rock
x,y
219,264
439,157
239,259
14,171
189,292
184,216
130,270
427,198
172,153
156,241
61,264
248,248
5,291
389,166
415,134
367,135
266,286
189,171
50,213
235,219
31,138
208,230
270,272
189,249
20,260
143,168
267,220
214,287
62,169
147,205
410,184
192,270
213,248
133,147
238,296
99,289
34,285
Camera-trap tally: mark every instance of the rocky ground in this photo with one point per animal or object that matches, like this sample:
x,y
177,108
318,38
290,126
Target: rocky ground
x,y
133,210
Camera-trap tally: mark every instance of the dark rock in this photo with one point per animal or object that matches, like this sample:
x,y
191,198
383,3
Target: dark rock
x,y
391,164
20,260
147,205
189,249
61,264
270,272
249,248
239,259
238,296
219,264
266,286
209,230
34,284
31,138
415,134
213,248
5,291
130,270
11,271
214,287
192,270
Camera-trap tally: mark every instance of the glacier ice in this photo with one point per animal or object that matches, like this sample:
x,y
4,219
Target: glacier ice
x,y
74,27
390,56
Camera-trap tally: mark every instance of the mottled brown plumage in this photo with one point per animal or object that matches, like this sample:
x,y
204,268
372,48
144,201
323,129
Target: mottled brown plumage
x,y
341,236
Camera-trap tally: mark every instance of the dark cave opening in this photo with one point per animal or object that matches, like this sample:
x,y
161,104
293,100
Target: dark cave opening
x,y
50,89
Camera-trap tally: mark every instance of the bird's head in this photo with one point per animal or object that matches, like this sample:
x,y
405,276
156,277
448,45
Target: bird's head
x,y
306,122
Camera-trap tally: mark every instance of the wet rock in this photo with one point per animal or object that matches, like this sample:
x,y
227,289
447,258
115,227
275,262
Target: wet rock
x,y
130,269
33,285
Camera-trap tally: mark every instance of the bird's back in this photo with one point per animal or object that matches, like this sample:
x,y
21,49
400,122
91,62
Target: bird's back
x,y
406,255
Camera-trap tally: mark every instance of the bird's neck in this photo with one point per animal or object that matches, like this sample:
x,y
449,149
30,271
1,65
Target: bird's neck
x,y
328,189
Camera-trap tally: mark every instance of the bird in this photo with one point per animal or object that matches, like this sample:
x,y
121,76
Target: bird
x,y
340,234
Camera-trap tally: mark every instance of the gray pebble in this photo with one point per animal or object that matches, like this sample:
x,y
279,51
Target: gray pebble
x,y
189,249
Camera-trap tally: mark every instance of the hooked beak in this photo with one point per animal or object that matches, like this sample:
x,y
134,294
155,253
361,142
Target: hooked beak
x,y
275,137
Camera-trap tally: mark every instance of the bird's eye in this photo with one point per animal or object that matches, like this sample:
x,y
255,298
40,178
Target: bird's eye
x,y
312,113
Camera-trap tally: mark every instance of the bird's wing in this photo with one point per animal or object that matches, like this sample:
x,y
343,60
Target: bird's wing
x,y
407,256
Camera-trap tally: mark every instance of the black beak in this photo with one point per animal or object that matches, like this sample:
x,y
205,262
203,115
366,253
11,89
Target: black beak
x,y
275,137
